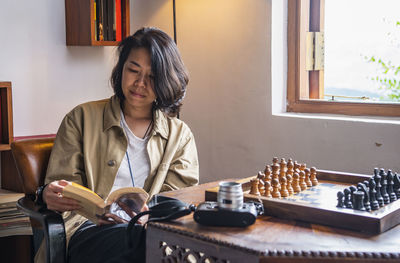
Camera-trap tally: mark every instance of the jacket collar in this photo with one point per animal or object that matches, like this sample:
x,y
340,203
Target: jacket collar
x,y
160,124
112,117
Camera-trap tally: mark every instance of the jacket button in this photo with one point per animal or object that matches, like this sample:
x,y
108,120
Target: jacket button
x,y
111,163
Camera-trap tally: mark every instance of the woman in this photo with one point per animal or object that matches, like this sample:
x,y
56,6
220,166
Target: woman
x,y
129,139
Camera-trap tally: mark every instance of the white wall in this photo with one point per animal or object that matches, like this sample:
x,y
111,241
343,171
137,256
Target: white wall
x,y
227,47
48,78
237,93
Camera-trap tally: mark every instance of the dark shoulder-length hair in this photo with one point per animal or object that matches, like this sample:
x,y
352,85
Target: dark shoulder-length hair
x,y
170,74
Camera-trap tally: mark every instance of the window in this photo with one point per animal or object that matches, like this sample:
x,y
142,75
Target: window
x,y
308,88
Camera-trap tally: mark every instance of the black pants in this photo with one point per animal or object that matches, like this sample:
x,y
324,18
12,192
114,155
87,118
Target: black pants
x,y
106,243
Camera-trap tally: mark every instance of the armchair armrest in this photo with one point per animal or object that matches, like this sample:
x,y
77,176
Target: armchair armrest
x,y
53,228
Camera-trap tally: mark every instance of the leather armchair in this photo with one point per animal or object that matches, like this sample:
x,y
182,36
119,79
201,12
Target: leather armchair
x,y
31,158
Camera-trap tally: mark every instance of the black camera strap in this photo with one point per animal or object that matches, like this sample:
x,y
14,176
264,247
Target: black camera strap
x,y
161,208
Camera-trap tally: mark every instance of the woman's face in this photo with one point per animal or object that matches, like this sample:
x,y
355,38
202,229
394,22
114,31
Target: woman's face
x,y
138,80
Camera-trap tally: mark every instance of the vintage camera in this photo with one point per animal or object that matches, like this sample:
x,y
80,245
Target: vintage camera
x,y
229,210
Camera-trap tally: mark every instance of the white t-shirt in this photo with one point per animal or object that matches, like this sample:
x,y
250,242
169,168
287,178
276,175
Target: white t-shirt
x,y
138,160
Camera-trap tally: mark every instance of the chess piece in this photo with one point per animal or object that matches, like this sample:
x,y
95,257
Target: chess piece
x,y
352,189
284,192
372,194
361,187
340,196
289,183
268,190
358,202
261,183
303,184
267,183
290,167
384,193
296,167
275,188
390,184
261,187
275,174
308,177
377,179
275,160
267,170
296,183
347,198
366,182
254,187
396,185
267,173
283,165
303,168
313,176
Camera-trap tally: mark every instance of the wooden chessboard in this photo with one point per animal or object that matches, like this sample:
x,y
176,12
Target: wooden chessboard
x,y
318,204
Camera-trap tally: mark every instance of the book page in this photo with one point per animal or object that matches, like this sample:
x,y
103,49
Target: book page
x,y
126,202
91,203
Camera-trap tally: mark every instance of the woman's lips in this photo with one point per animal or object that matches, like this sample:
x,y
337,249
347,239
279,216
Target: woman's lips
x,y
137,94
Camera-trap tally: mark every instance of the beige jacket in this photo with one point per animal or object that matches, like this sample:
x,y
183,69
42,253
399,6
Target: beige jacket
x,y
91,144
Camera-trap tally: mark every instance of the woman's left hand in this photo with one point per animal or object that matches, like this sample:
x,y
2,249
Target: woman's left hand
x,y
114,219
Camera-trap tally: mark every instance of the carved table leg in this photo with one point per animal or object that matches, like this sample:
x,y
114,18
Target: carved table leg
x,y
165,246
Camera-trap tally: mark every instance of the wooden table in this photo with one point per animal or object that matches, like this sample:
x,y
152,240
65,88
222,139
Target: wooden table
x,y
270,239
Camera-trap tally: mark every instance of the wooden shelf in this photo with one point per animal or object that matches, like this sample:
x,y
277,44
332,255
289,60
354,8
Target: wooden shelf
x,y
81,26
6,122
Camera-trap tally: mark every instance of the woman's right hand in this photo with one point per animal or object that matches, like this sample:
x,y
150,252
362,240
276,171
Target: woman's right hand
x,y
52,196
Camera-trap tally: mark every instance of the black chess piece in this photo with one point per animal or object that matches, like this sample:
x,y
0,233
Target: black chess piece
x,y
347,198
396,185
366,182
340,196
372,194
384,193
390,184
352,189
358,202
377,179
362,187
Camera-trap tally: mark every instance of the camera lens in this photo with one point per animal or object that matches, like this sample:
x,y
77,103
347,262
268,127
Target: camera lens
x,y
230,195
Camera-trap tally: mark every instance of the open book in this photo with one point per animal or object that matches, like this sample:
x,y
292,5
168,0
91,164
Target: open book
x,y
93,206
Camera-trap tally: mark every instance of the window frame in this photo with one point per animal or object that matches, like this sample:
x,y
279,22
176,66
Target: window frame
x,y
297,88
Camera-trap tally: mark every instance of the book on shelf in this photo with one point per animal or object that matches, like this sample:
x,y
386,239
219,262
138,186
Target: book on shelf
x,y
94,207
24,230
95,19
11,212
118,21
105,19
99,15
9,198
110,20
12,221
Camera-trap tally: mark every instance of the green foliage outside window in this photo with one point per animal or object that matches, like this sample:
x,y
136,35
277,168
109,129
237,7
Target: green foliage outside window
x,y
388,77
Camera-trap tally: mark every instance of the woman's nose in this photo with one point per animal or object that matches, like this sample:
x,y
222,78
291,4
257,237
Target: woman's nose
x,y
141,80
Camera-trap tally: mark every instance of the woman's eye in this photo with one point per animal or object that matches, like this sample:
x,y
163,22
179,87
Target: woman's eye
x,y
133,70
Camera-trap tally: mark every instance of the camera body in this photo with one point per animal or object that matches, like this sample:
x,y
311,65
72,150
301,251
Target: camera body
x,y
210,214
229,210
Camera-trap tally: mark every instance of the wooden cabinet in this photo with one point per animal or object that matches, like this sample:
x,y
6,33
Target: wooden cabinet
x,y
82,21
6,122
8,169
15,248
